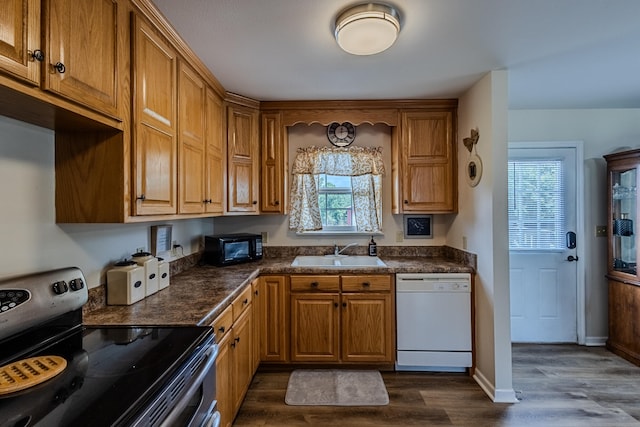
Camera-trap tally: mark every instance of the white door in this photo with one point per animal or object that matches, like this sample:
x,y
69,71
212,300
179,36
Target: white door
x,y
543,242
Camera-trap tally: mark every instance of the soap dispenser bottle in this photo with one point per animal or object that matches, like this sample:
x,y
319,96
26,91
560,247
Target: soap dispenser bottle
x,y
373,248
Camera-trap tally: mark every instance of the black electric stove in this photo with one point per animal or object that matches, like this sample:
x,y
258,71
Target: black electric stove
x,y
115,376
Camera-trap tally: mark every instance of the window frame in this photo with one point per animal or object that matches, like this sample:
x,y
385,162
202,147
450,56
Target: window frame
x,y
336,190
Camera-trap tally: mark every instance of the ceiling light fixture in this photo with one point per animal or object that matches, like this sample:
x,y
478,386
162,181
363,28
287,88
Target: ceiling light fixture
x,y
367,29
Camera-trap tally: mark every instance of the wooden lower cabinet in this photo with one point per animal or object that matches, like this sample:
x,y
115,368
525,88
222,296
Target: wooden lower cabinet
x,y
223,382
235,365
624,311
315,327
273,319
242,356
351,323
366,327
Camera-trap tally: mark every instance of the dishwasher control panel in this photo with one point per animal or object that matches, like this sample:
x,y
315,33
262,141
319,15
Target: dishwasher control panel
x,y
433,282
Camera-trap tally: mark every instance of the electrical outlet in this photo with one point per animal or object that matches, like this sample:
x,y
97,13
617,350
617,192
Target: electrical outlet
x,y
464,242
399,236
601,231
265,237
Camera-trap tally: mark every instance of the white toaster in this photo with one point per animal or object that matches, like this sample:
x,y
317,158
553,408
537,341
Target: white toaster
x,y
125,283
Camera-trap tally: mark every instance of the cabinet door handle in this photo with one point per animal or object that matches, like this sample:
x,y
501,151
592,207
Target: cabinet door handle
x,y
335,304
38,55
237,339
141,197
59,67
255,202
246,301
406,202
344,304
277,202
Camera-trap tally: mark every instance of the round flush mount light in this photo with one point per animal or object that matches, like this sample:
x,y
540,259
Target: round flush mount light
x,y
367,29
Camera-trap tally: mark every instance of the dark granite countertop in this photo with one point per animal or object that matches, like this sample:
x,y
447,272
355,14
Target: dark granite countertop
x,y
198,295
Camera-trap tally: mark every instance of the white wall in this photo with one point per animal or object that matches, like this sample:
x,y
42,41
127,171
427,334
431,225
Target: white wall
x,y
482,220
32,241
277,226
603,132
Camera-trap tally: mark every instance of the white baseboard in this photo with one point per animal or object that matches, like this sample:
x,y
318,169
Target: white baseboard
x,y
496,395
595,341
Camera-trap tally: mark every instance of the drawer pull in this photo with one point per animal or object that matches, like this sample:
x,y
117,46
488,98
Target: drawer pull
x,y
366,284
221,329
246,301
314,284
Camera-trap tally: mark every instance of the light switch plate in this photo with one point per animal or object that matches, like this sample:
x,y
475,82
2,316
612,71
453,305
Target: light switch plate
x,y
601,231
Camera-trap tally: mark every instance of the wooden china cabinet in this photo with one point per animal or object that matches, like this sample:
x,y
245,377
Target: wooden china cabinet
x,y
622,273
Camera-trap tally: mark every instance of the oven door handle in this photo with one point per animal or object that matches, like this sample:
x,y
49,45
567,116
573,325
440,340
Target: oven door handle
x,y
179,407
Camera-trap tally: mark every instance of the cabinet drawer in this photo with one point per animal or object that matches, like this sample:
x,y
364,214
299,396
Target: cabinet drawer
x,y
315,283
241,302
223,323
376,283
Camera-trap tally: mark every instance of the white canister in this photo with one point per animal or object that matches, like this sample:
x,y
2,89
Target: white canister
x,y
125,283
150,264
163,273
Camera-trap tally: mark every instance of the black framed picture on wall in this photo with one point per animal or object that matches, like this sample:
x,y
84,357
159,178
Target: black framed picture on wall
x,y
418,226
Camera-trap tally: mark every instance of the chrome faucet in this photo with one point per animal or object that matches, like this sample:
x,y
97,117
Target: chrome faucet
x,y
337,251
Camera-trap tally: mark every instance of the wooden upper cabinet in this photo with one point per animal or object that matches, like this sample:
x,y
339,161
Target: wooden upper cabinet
x,y
273,182
215,167
243,159
82,52
154,122
191,140
427,163
19,38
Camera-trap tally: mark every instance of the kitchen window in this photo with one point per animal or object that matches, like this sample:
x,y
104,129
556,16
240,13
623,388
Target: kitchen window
x,y
337,190
335,201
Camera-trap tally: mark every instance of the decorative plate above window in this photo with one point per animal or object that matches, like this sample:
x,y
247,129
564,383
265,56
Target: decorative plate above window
x,y
341,134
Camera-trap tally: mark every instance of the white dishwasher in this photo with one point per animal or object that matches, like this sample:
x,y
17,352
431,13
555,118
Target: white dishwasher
x,y
433,321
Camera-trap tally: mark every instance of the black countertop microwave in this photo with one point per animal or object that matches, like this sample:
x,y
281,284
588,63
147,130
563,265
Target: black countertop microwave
x,y
227,249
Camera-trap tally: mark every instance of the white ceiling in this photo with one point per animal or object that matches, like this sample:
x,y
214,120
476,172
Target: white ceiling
x,y
559,53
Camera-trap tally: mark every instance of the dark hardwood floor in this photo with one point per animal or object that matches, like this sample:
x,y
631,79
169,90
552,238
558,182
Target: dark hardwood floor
x,y
558,385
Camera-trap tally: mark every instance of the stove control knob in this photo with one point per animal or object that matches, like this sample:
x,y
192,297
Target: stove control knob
x,y
60,287
76,284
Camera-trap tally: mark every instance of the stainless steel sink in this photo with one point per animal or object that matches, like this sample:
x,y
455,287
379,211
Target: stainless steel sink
x,y
344,261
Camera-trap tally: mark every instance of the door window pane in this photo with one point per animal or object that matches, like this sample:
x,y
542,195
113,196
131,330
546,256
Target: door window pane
x,y
536,205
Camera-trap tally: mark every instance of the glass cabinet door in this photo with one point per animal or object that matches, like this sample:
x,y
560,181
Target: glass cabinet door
x,y
624,216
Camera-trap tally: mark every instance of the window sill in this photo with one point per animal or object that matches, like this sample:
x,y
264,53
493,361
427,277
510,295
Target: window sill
x,y
337,233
